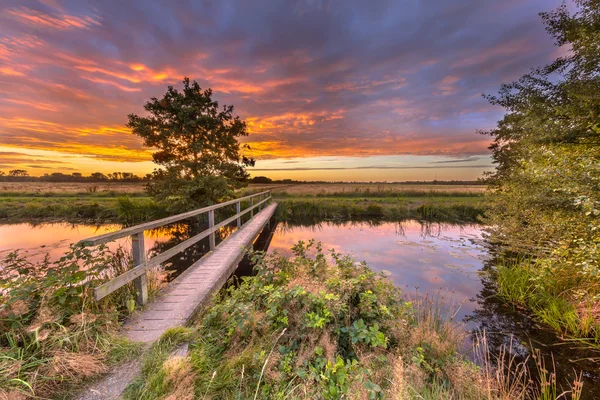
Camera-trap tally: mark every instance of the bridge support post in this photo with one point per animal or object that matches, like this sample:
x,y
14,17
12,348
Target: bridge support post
x,y
139,257
211,223
238,209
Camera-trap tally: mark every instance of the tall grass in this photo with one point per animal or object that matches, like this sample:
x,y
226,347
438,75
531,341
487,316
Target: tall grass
x,y
298,209
133,211
54,334
518,284
305,327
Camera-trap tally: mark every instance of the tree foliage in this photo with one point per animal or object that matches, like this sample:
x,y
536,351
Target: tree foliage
x,y
197,147
546,188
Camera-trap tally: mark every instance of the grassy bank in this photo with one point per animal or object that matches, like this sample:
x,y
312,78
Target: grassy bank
x,y
305,328
430,208
297,202
310,326
55,336
551,302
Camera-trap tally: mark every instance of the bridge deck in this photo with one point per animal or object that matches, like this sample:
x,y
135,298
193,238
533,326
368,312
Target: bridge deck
x,y
190,291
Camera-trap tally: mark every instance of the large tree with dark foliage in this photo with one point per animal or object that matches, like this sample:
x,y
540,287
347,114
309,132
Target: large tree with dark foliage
x,y
197,146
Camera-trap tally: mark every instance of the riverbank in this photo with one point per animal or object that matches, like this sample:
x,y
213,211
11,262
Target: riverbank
x,y
297,202
305,326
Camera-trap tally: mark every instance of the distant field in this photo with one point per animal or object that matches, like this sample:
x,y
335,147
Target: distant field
x,y
74,202
364,189
291,189
70,187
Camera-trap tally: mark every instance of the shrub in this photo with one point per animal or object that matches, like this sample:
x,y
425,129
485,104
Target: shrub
x,y
54,332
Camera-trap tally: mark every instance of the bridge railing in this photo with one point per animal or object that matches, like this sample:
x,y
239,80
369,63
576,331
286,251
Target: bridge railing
x,y
140,264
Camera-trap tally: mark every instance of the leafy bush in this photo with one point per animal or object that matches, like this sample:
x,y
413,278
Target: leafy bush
x,y
300,326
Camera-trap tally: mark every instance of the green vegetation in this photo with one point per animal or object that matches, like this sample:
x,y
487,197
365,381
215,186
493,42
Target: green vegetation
x,y
302,204
196,146
59,208
79,208
545,201
430,208
54,334
517,284
312,326
306,328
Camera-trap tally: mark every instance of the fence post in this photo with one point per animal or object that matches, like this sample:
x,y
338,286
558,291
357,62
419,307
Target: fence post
x,y
251,205
139,257
211,223
238,209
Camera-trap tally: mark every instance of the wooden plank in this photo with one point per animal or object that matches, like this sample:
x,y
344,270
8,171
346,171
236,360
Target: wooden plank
x,y
177,304
211,223
123,279
139,257
109,237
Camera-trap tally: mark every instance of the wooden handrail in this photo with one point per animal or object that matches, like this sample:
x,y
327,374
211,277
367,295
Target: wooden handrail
x,y
138,273
132,230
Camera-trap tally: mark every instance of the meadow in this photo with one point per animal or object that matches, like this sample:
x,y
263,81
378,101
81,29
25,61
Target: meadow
x,y
103,202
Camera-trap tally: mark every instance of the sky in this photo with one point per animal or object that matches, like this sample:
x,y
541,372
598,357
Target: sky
x,y
378,90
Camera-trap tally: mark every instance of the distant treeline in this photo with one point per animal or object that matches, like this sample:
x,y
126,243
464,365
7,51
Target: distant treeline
x,y
264,179
21,175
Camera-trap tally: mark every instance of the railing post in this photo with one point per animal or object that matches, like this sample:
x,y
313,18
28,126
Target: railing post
x,y
139,257
211,223
238,209
251,205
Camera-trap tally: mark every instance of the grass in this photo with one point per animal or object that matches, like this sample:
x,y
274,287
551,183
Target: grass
x,y
326,327
518,284
71,188
127,203
442,209
70,209
55,336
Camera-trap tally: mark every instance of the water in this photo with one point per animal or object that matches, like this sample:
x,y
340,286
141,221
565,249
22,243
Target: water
x,y
445,260
438,259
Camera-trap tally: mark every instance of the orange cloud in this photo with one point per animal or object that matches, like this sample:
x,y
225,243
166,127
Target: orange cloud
x,y
33,104
289,120
39,19
115,143
10,71
107,82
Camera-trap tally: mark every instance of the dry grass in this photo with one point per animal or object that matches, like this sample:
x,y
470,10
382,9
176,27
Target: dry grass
x,y
71,187
323,189
180,377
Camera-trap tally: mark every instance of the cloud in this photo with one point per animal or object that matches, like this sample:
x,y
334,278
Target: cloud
x,y
37,19
460,160
311,79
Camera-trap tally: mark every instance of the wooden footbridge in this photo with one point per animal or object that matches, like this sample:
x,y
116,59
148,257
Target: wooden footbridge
x,y
188,293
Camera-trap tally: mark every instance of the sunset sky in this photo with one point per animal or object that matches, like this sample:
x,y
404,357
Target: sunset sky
x,y
331,90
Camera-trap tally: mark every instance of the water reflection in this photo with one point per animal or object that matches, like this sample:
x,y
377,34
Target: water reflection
x,y
423,258
444,259
54,239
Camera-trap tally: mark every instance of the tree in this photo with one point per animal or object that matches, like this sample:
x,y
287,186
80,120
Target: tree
x,y
98,176
197,148
546,197
18,172
261,179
